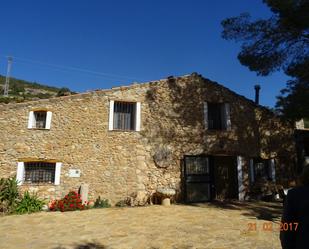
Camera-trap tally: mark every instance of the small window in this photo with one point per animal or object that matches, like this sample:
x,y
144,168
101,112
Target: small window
x,y
218,116
39,120
124,116
39,172
262,169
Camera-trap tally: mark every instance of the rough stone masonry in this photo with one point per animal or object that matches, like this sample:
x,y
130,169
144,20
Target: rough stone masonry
x,y
117,164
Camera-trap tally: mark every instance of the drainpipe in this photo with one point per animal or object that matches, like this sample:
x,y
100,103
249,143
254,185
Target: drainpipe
x,y
257,94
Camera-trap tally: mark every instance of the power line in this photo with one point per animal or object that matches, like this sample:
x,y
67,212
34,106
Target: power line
x,y
70,72
115,76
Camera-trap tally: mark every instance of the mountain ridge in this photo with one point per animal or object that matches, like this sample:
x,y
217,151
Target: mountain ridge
x,y
23,90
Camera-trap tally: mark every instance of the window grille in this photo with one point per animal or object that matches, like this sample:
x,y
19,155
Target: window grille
x,y
124,116
197,165
40,119
39,172
262,169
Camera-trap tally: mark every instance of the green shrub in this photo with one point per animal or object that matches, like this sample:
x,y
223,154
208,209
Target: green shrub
x,y
122,203
63,91
101,203
9,194
29,203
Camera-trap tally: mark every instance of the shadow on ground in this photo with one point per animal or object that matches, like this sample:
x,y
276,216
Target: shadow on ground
x,y
269,211
91,245
96,245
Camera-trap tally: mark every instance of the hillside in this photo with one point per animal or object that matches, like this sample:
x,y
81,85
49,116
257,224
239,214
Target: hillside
x,y
21,90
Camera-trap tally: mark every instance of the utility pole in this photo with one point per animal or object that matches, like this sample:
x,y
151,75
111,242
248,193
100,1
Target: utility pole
x,y
7,79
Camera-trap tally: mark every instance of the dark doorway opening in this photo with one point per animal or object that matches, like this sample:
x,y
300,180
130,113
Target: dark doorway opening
x,y
210,177
226,179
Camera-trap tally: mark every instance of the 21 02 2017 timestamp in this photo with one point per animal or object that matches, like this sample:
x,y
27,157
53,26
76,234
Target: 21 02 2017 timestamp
x,y
270,226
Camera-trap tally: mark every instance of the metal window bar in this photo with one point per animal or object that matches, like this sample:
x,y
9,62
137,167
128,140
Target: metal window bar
x,y
262,169
197,165
124,116
40,119
39,172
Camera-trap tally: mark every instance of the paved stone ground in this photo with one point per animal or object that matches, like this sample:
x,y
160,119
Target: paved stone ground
x,y
215,226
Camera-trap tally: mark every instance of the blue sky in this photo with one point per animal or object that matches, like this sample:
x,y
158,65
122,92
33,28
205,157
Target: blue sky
x,y
126,41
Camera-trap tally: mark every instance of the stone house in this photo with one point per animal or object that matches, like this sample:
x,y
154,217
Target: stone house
x,y
186,133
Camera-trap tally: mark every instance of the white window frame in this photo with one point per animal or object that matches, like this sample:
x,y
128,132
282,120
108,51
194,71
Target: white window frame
x,y
32,122
137,115
21,173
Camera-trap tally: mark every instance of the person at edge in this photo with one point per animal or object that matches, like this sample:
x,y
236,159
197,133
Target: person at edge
x,y
295,219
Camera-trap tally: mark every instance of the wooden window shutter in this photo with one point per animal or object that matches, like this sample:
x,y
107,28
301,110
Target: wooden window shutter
x,y
31,120
206,115
111,115
241,187
48,119
20,173
251,171
58,173
272,169
227,109
138,116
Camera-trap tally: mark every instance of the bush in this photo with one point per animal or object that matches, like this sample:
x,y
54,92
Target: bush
x,y
29,203
101,203
9,194
70,202
64,91
122,203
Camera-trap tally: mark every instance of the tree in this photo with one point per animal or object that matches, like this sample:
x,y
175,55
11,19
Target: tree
x,y
278,43
294,100
64,91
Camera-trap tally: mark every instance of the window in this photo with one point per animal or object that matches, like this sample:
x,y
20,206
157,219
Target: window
x,y
124,116
38,172
39,119
262,169
197,165
217,116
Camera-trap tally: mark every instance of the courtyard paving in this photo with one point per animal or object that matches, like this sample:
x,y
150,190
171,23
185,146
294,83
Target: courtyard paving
x,y
213,226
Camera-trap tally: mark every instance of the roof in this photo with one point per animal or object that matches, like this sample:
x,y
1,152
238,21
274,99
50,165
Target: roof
x,y
141,85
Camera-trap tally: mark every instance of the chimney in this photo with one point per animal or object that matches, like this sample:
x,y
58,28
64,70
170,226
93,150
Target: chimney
x,y
257,94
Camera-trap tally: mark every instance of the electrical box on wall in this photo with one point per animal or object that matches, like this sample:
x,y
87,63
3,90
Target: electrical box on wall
x,y
74,173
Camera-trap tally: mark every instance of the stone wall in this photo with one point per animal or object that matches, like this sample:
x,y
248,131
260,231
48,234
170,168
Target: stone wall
x,y
117,164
